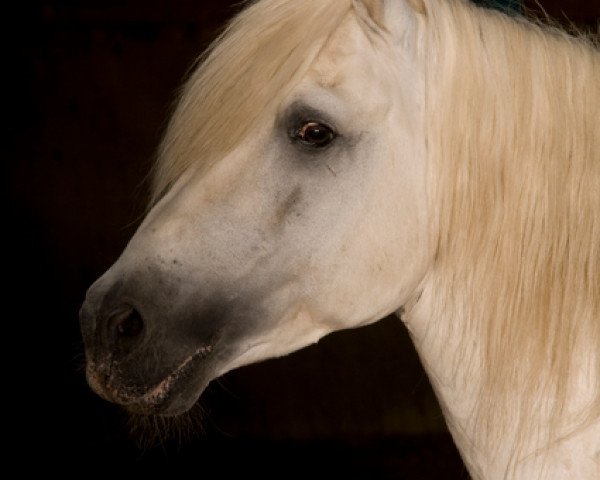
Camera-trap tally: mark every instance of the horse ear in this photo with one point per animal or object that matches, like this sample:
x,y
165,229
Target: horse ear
x,y
418,6
377,8
374,9
380,11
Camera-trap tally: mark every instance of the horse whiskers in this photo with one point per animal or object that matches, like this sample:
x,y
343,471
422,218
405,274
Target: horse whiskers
x,y
79,363
150,431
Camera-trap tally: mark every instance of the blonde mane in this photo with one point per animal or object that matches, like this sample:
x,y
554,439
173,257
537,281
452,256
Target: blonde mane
x,y
244,74
514,152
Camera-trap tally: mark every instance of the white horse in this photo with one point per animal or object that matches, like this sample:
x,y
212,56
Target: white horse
x,y
333,161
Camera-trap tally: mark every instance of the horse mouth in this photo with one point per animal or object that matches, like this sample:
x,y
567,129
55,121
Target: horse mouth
x,y
173,395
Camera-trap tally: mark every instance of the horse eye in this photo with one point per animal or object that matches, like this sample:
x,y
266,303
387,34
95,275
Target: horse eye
x,y
314,134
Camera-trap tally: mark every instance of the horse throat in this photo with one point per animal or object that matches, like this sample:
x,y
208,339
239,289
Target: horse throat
x,y
489,432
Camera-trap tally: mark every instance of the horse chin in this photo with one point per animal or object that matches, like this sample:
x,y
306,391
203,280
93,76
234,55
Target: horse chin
x,y
174,404
174,395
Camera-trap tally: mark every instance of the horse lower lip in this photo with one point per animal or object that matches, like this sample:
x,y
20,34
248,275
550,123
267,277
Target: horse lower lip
x,y
158,398
159,393
168,408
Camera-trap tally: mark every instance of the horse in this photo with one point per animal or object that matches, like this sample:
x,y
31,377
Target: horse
x,y
332,162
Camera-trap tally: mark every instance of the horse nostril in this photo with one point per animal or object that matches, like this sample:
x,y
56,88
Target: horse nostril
x,y
130,326
125,328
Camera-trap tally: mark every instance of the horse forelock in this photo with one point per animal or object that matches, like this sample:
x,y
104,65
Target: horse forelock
x,y
242,77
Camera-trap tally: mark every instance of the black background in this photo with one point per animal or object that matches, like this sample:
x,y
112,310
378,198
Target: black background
x,y
87,92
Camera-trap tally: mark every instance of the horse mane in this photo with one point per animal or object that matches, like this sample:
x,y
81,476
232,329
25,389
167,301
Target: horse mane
x,y
514,151
241,77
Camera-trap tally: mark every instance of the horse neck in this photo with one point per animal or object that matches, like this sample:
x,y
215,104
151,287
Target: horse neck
x,y
496,446
507,321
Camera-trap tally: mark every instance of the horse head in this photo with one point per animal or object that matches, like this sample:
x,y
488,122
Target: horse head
x,y
290,203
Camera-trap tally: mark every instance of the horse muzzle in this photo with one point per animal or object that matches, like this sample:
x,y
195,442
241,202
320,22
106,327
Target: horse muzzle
x,y
173,395
146,352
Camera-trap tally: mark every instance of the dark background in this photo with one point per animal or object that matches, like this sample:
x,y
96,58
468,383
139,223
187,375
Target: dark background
x,y
87,93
